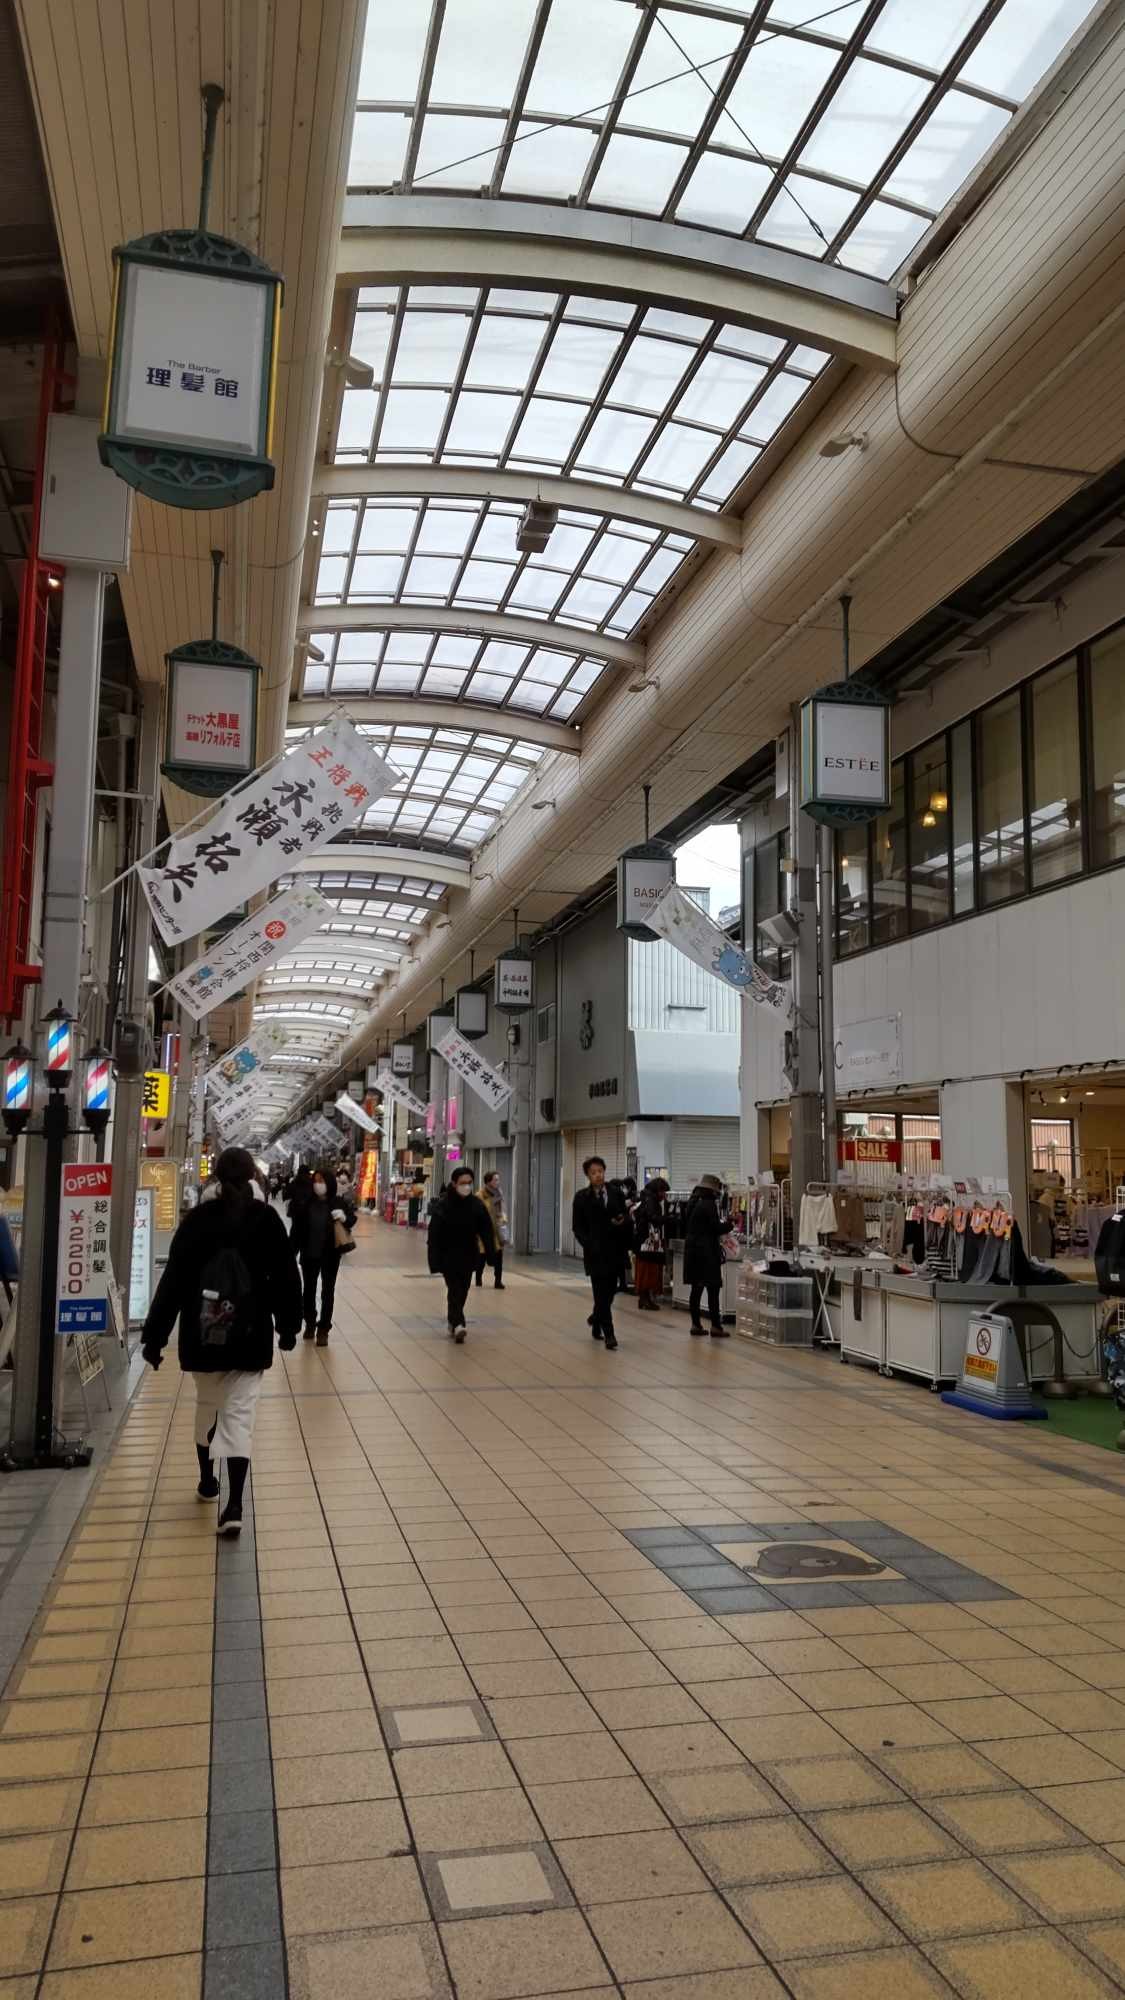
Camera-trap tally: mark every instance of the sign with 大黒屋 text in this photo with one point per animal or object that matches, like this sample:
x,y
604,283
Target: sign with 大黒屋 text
x,y
317,790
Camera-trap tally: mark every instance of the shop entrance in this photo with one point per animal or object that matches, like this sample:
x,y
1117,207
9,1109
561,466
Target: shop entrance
x,y
1075,1138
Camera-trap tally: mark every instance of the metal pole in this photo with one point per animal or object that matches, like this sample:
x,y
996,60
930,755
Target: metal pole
x,y
130,1089
37,1367
212,95
827,1000
806,1141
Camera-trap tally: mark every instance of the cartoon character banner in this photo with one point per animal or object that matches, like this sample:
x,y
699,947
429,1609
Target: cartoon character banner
x,y
674,916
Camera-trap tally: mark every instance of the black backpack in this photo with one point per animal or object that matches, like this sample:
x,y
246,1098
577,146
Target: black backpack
x,y
224,1306
1109,1256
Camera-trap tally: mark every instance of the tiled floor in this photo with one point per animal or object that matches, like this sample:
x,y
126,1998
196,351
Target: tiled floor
x,y
520,1689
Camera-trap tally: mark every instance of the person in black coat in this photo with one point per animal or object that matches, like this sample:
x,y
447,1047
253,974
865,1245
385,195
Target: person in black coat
x,y
703,1257
600,1222
313,1235
459,1235
232,1281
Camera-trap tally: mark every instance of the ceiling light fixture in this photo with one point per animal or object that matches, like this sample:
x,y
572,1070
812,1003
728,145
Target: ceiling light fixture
x,y
544,805
313,652
835,447
54,583
929,818
641,686
536,526
939,802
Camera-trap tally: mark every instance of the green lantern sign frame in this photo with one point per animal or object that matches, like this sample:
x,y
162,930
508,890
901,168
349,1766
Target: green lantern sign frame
x,y
191,382
227,720
845,754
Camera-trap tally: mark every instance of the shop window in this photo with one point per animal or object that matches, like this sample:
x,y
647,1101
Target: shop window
x,y
1000,827
852,889
1052,1146
1054,775
888,865
929,836
1107,739
961,817
767,902
545,1023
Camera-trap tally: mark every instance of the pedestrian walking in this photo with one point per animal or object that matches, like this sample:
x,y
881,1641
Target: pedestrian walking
x,y
460,1228
492,1195
598,1220
316,1220
231,1279
703,1256
650,1238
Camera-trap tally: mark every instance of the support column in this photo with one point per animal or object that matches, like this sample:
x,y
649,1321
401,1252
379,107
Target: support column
x,y
983,1136
521,1070
807,1142
130,1089
38,1371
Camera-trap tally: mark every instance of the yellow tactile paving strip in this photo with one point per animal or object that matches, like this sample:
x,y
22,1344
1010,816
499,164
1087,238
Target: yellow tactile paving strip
x,y
450,1731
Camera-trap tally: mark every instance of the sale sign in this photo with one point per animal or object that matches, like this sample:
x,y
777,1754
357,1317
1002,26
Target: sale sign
x,y
83,1269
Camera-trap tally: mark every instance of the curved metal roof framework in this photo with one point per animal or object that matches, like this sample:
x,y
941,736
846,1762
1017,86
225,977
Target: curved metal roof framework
x,y
608,255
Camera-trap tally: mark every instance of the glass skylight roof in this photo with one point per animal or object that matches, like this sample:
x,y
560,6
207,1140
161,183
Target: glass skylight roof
x,y
667,403
839,130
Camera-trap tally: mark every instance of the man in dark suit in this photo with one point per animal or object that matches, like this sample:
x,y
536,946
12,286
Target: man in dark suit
x,y
599,1222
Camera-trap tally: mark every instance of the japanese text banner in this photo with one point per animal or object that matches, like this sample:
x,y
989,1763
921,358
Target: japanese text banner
x,y
675,917
480,1076
243,953
240,1063
355,1112
319,788
394,1086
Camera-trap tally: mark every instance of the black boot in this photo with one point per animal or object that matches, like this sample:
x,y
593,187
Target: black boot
x,y
208,1488
230,1520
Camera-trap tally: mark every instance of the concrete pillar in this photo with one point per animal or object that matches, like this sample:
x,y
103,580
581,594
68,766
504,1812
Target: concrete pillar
x,y
807,1147
127,1100
983,1136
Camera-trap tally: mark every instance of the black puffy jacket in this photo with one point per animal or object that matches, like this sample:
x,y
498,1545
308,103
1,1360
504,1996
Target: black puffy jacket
x,y
258,1235
703,1259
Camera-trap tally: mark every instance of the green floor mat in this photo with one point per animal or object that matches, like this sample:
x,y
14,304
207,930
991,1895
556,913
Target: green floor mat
x,y
1089,1419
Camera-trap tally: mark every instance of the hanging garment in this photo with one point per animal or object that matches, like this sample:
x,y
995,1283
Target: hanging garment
x,y
851,1216
817,1218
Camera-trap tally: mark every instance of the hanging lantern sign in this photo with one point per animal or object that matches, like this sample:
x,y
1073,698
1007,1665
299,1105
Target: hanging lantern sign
x,y
845,754
643,874
192,361
437,1024
402,1059
470,1013
515,981
211,716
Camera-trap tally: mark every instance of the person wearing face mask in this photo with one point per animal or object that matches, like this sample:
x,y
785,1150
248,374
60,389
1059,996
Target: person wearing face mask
x,y
460,1228
313,1236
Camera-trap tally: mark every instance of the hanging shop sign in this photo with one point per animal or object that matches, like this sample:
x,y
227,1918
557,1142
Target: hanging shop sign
x,y
674,916
515,981
402,1059
163,1177
845,754
470,1013
156,1099
355,1090
883,1152
295,807
436,1025
486,1082
83,1269
371,1076
393,1087
358,1116
643,874
211,716
242,954
193,343
140,1270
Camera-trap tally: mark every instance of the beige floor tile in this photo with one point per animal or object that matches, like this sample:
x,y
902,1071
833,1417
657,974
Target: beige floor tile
x,y
664,1938
939,1770
817,1784
596,1806
175,1978
98,1926
1008,1822
800,1734
749,1983
324,1734
802,1656
123,1750
106,1857
1096,1809
138,1676
872,1836
453,1767
897,1974
1069,1887
700,1798
334,1780
318,1694
392,1964
469,1885
760,1850
473,1820
498,1958
351,1895
365,1830
639,1708
621,1867
618,1671
32,1864
406,1687
62,1717
42,1808
1014,1966
149,1795
712,1663
902,1727
944,1682
811,1918
541,1715
942,1899
691,1746
496,1679
158,1708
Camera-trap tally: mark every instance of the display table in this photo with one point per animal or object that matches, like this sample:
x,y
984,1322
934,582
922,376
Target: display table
x,y
917,1326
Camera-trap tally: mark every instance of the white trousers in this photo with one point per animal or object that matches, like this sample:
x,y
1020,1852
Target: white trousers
x,y
227,1400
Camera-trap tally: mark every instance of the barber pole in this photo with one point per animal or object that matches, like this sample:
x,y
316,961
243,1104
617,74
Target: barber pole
x,y
17,1081
58,1048
97,1086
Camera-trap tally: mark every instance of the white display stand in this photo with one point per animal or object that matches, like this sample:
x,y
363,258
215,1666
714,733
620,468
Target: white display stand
x,y
918,1326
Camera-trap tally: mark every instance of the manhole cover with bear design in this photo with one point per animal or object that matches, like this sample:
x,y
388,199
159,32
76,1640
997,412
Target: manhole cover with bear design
x,y
804,1560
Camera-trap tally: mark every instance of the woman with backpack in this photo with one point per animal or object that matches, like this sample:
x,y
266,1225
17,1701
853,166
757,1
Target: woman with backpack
x,y
315,1236
231,1279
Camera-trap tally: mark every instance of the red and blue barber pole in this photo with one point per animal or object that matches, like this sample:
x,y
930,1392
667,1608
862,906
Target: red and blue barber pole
x,y
59,1026
97,1086
17,1087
